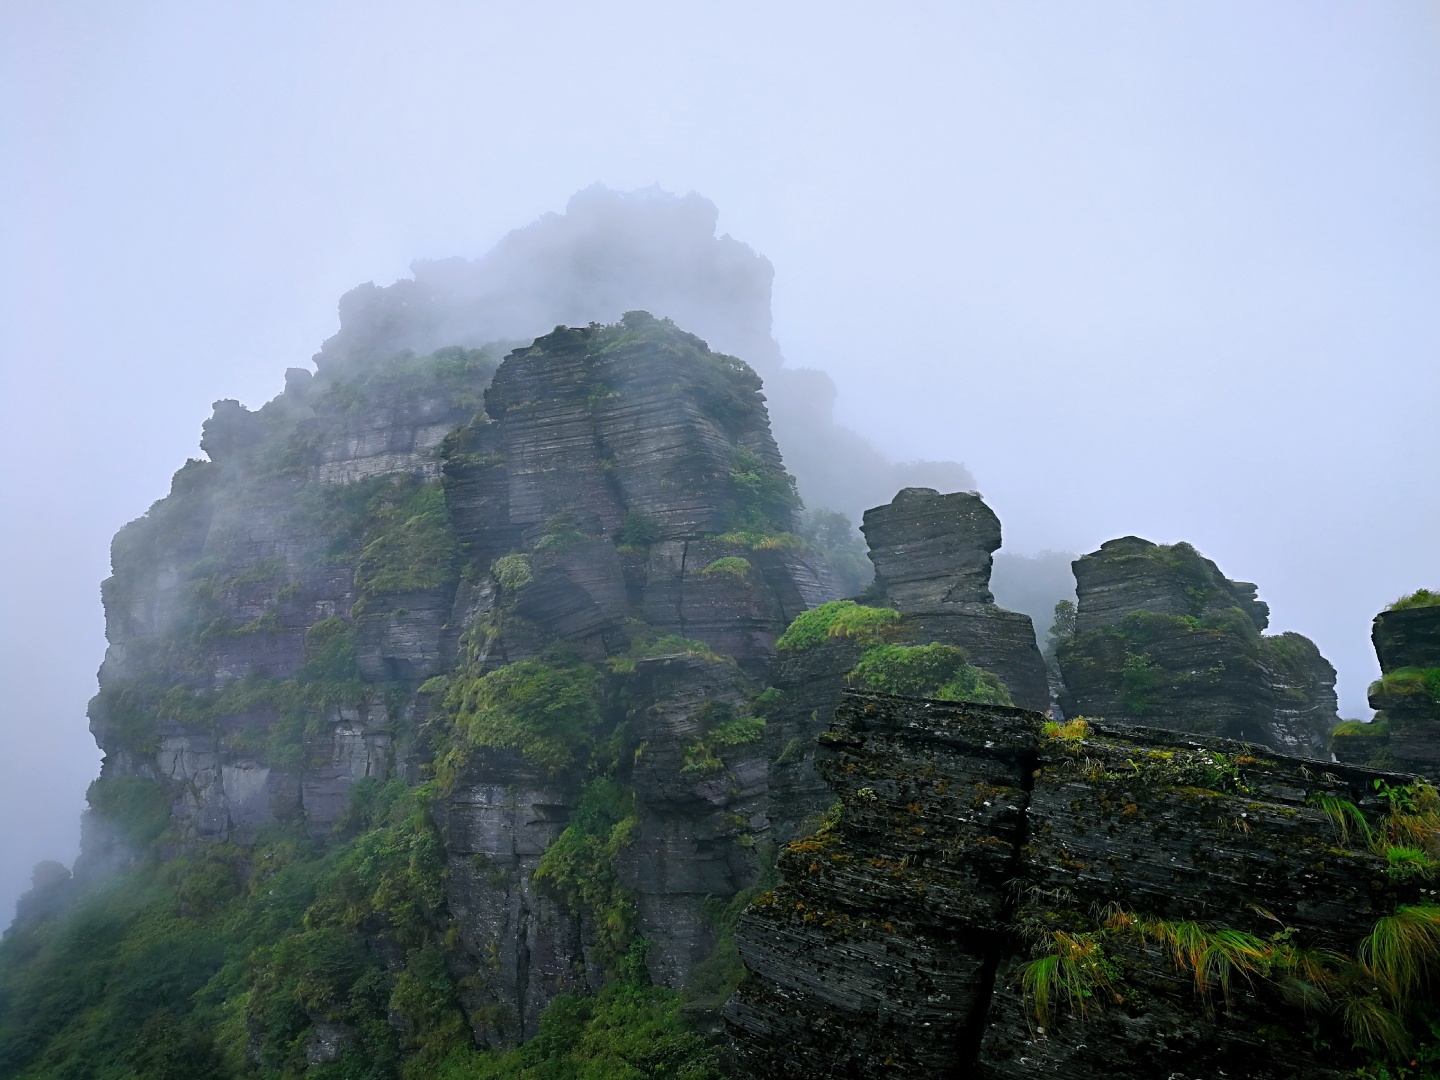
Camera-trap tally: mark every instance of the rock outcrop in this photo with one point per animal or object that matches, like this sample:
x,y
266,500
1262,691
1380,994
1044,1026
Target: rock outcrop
x,y
932,556
1163,638
1405,732
308,609
973,843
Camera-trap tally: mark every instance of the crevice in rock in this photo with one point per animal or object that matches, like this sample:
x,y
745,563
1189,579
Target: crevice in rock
x,y
1005,943
680,592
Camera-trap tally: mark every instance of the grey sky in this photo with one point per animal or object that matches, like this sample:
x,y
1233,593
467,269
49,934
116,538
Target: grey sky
x,y
1158,269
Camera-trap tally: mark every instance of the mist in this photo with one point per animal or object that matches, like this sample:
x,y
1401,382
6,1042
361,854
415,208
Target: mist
x,y
1165,271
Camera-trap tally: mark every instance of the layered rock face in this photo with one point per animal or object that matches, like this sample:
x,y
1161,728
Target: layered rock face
x,y
932,556
1163,638
310,609
1405,732
973,842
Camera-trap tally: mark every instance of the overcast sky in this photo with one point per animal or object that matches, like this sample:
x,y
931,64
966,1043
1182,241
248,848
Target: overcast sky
x,y
1165,269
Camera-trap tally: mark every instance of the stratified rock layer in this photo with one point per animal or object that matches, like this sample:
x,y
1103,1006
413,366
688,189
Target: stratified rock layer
x,y
1406,730
894,945
932,556
1163,638
286,624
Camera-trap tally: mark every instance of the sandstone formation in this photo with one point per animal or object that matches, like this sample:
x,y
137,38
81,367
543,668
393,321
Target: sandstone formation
x,y
1163,638
932,556
971,841
612,252
305,610
1405,732
458,699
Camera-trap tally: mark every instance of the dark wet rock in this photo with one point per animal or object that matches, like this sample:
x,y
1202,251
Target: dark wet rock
x,y
1163,638
1407,638
932,556
1405,732
895,942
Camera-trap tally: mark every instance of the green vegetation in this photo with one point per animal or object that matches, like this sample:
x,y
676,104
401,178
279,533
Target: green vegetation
x,y
220,964
1359,728
720,728
834,535
730,566
409,545
513,571
637,532
138,809
547,708
1140,678
1075,970
715,978
578,867
627,1031
1409,690
1062,629
1371,994
842,619
561,531
931,671
648,644
765,496
1419,598
127,714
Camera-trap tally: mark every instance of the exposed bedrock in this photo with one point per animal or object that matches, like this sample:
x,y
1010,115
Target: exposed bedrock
x,y
1163,638
290,620
970,835
932,556
1405,732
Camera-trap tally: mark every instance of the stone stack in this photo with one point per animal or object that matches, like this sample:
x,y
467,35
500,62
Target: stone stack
x,y
1165,639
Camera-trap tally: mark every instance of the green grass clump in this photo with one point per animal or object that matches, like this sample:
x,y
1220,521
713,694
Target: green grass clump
x,y
720,728
930,671
1345,815
513,571
1359,728
838,618
730,566
1075,971
1418,599
545,708
1404,948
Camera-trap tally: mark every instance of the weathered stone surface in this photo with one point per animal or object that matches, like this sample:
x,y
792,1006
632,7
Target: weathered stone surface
x,y
1405,732
930,548
1131,574
1407,637
932,556
1163,638
895,944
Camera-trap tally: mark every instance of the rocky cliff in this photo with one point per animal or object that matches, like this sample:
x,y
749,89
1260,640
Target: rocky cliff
x,y
322,601
996,895
1162,637
1405,732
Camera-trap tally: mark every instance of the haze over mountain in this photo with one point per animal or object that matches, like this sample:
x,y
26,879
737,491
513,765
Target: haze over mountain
x,y
612,252
1164,271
